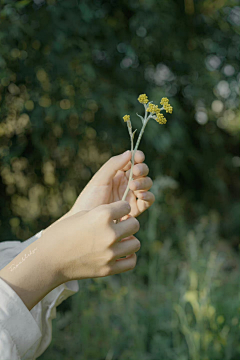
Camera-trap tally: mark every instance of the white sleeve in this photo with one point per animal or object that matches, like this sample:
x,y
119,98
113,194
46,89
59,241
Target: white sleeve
x,y
18,329
24,334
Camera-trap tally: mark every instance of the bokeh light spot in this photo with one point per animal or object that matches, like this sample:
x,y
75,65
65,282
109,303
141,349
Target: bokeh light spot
x,y
65,104
29,105
217,106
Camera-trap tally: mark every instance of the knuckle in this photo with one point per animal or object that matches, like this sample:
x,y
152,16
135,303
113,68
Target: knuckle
x,y
136,225
105,271
127,205
150,181
138,169
137,244
133,262
109,255
141,153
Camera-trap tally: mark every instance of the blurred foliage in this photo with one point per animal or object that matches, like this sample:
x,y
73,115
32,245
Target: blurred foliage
x,y
179,311
69,71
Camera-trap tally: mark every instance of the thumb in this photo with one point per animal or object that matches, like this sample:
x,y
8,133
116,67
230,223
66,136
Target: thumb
x,y
106,173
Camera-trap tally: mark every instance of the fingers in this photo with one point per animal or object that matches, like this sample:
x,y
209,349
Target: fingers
x,y
106,173
113,211
126,247
144,200
126,228
143,183
138,158
120,162
138,170
146,196
122,265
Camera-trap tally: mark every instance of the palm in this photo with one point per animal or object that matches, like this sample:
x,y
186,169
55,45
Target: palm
x,y
94,195
109,184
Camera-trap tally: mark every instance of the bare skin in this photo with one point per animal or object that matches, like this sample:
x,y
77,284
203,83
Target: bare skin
x,y
110,181
84,245
86,242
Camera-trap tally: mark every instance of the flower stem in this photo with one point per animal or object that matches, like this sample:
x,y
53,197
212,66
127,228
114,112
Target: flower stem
x,y
133,155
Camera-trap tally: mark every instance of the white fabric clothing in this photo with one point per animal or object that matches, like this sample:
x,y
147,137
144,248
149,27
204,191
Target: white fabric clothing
x,y
24,334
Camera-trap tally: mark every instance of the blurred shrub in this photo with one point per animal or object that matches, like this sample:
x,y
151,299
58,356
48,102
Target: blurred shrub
x,y
69,71
177,304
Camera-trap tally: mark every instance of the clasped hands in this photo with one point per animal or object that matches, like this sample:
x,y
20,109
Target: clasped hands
x,y
110,181
90,243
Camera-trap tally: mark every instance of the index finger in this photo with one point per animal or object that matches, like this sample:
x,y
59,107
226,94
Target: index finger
x,y
116,210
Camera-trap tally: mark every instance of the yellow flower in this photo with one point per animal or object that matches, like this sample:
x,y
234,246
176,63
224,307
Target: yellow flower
x,y
126,118
168,108
165,103
161,119
143,99
153,108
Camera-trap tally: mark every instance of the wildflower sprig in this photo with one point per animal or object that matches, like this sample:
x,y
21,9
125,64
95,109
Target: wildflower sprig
x,y
152,111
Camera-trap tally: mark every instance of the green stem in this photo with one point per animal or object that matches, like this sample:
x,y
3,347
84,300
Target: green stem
x,y
133,155
145,121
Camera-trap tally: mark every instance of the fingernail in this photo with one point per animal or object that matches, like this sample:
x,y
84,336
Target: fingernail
x,y
126,153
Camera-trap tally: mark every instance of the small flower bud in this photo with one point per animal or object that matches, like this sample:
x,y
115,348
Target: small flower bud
x,y
126,118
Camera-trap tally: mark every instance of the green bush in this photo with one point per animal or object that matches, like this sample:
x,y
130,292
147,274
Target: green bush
x,y
69,71
179,303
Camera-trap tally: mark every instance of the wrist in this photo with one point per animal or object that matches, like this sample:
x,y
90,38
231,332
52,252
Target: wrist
x,y
69,213
31,274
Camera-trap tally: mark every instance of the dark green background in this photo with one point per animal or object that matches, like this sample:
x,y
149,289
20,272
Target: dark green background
x,y
69,71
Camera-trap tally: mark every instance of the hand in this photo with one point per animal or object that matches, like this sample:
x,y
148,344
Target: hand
x,y
109,183
89,244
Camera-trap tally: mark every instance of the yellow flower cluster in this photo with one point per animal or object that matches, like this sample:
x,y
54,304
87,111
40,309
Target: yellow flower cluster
x,y
161,119
143,99
165,103
126,118
153,108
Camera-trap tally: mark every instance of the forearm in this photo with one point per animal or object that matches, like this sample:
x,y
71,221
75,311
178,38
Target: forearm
x,y
31,274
